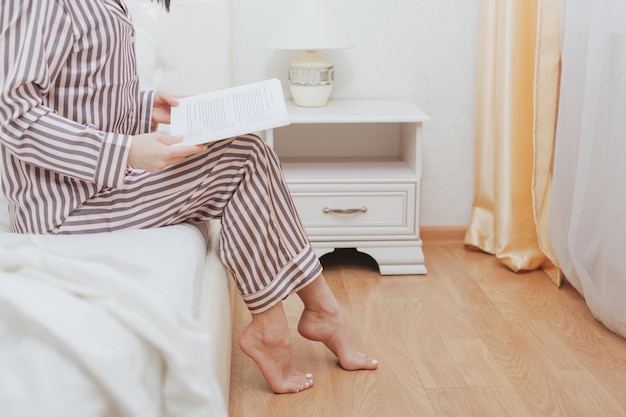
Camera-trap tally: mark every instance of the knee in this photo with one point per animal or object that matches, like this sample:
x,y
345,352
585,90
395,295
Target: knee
x,y
253,140
257,146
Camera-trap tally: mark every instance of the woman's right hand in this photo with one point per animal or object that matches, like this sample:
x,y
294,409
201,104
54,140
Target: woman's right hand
x,y
154,151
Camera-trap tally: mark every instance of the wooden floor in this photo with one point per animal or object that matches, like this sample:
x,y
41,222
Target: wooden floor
x,y
470,338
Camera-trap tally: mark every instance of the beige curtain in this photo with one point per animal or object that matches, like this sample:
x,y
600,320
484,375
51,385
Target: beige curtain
x,y
517,97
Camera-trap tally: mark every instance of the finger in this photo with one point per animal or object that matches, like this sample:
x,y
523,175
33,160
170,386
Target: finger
x,y
161,117
181,152
171,99
170,140
187,149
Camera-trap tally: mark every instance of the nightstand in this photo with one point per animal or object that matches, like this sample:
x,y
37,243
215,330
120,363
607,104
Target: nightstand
x,y
354,169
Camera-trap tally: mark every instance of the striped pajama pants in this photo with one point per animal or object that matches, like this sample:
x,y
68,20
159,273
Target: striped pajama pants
x,y
262,241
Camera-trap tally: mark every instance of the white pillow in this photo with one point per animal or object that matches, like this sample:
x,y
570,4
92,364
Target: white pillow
x,y
146,50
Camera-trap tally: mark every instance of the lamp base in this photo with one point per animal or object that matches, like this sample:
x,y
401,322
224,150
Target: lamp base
x,y
311,78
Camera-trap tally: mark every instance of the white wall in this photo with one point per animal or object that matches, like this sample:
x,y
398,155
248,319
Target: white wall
x,y
420,50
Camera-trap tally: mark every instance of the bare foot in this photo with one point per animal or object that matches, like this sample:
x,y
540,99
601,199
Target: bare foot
x,y
322,320
267,342
331,328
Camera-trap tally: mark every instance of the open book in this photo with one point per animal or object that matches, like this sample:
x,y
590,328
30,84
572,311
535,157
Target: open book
x,y
230,112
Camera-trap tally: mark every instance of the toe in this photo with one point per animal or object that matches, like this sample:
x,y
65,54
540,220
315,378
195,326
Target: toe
x,y
359,361
299,383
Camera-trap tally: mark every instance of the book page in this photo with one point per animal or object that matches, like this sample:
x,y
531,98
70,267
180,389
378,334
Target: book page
x,y
230,112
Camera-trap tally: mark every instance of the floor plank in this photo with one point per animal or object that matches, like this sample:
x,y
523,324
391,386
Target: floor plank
x,y
470,338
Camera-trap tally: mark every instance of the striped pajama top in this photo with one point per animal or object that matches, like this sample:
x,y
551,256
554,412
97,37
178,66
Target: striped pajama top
x,y
69,103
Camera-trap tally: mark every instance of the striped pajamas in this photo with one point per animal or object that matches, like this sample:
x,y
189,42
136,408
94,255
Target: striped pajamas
x,y
69,106
262,241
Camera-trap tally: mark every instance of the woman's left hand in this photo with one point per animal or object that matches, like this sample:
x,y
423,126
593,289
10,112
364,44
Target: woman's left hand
x,y
162,107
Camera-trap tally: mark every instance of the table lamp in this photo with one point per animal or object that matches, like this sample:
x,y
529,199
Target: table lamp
x,y
310,25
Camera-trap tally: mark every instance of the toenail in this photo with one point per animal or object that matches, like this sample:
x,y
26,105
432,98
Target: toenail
x,y
374,361
309,375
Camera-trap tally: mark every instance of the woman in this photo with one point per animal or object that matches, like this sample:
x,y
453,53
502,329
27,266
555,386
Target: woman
x,y
79,156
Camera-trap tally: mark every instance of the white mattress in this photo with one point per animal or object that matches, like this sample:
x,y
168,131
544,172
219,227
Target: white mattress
x,y
173,257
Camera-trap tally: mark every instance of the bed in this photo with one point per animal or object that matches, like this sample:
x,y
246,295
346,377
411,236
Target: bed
x,y
129,323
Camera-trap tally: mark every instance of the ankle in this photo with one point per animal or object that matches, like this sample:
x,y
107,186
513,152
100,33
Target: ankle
x,y
267,336
325,310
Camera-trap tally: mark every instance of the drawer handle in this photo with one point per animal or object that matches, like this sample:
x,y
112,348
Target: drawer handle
x,y
345,211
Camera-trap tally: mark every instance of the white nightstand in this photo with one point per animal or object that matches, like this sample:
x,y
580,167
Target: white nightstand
x,y
354,170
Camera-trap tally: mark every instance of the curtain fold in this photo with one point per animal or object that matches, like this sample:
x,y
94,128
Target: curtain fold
x,y
588,203
517,96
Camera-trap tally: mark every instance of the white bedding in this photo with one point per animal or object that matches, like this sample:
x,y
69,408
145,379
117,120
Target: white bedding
x,y
88,334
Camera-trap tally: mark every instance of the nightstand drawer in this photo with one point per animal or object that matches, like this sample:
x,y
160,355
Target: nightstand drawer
x,y
341,210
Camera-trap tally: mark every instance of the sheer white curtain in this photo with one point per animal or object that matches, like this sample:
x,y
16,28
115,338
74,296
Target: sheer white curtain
x,y
588,205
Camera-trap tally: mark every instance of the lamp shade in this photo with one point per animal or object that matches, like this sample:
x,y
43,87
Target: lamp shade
x,y
309,25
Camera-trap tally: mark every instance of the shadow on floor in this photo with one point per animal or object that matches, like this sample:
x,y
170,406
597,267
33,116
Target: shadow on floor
x,y
348,257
